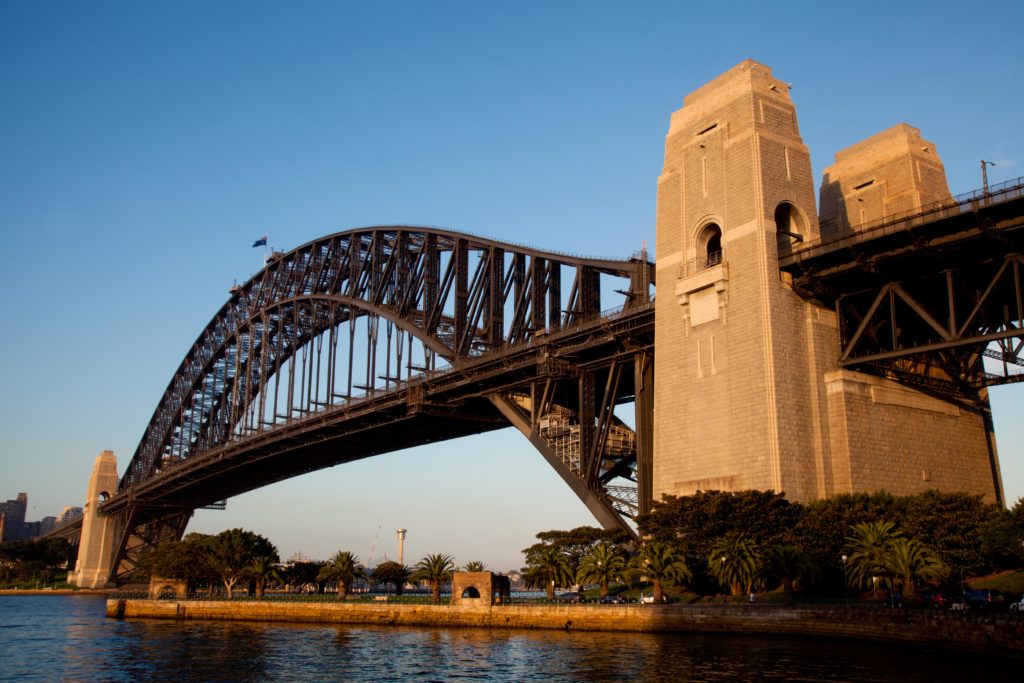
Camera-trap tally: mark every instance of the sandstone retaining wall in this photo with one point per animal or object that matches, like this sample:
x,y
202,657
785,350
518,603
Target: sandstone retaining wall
x,y
995,633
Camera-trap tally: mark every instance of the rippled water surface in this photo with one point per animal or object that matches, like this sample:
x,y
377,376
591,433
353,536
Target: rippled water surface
x,y
48,638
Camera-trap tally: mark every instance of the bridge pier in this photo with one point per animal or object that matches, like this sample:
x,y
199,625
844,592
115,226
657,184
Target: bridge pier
x,y
758,386
96,547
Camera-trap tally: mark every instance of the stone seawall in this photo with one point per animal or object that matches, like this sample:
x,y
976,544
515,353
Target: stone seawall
x,y
53,591
995,633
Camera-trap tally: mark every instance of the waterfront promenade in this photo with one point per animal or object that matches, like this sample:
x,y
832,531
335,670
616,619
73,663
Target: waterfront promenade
x,y
995,633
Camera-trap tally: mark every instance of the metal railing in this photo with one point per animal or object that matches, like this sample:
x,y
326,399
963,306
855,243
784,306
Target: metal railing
x,y
944,208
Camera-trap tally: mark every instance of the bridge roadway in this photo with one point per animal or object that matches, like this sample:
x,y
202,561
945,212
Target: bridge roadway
x,y
446,404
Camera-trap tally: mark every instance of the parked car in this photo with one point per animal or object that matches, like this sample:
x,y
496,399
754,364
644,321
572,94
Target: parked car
x,y
648,599
569,597
931,598
984,598
894,600
613,599
1017,606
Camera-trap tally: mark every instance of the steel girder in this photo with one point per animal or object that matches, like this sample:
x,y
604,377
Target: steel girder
x,y
568,414
931,299
948,325
351,319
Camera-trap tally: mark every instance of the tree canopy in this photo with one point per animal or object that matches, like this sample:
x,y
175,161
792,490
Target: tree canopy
x,y
391,573
575,544
435,570
229,557
603,565
37,559
734,561
232,551
659,563
547,567
693,524
967,534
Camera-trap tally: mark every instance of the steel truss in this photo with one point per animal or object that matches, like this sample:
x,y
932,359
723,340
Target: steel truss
x,y
948,326
378,326
931,299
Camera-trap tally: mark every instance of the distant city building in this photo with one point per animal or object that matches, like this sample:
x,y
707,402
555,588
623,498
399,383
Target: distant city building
x,y
13,526
14,518
70,514
46,525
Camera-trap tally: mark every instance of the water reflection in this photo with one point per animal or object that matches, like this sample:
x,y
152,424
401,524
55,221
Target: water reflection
x,y
69,638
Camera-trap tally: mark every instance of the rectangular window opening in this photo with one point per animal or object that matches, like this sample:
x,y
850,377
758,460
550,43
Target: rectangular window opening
x,y
863,185
708,129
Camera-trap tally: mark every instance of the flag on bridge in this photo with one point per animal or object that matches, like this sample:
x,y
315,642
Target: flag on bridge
x,y
261,242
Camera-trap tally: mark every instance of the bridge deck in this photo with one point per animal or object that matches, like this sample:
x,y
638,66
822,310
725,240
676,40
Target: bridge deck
x,y
961,231
442,406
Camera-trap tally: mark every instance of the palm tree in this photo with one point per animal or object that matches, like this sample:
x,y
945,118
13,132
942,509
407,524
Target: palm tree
x,y
789,564
659,563
475,566
733,562
602,565
547,567
434,569
909,561
343,568
301,574
262,570
869,544
391,572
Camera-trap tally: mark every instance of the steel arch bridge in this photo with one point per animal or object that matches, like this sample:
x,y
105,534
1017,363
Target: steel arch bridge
x,y
377,339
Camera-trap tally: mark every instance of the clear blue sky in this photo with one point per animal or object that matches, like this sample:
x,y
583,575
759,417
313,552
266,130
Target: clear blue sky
x,y
144,146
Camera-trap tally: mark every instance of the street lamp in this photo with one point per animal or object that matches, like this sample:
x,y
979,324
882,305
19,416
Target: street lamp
x,y
846,582
984,174
723,573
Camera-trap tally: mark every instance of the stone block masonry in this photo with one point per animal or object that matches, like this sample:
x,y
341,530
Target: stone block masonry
x,y
998,634
748,391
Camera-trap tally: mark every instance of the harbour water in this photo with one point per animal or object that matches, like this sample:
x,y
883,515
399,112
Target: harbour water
x,y
68,638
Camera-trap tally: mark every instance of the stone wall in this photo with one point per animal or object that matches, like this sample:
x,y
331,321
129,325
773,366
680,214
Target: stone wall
x,y
866,412
994,634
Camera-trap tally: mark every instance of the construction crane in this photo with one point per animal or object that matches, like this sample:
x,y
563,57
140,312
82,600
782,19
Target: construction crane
x,y
373,548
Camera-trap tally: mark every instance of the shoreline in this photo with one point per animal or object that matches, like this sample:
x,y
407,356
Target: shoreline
x,y
54,591
993,633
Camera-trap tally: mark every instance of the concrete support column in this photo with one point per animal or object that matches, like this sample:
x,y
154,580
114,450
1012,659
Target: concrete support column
x,y
96,548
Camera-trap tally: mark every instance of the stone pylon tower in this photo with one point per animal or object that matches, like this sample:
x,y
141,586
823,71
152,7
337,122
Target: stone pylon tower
x,y
748,390
96,547
891,172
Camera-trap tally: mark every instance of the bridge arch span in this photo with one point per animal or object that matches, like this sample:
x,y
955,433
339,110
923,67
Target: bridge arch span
x,y
383,325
